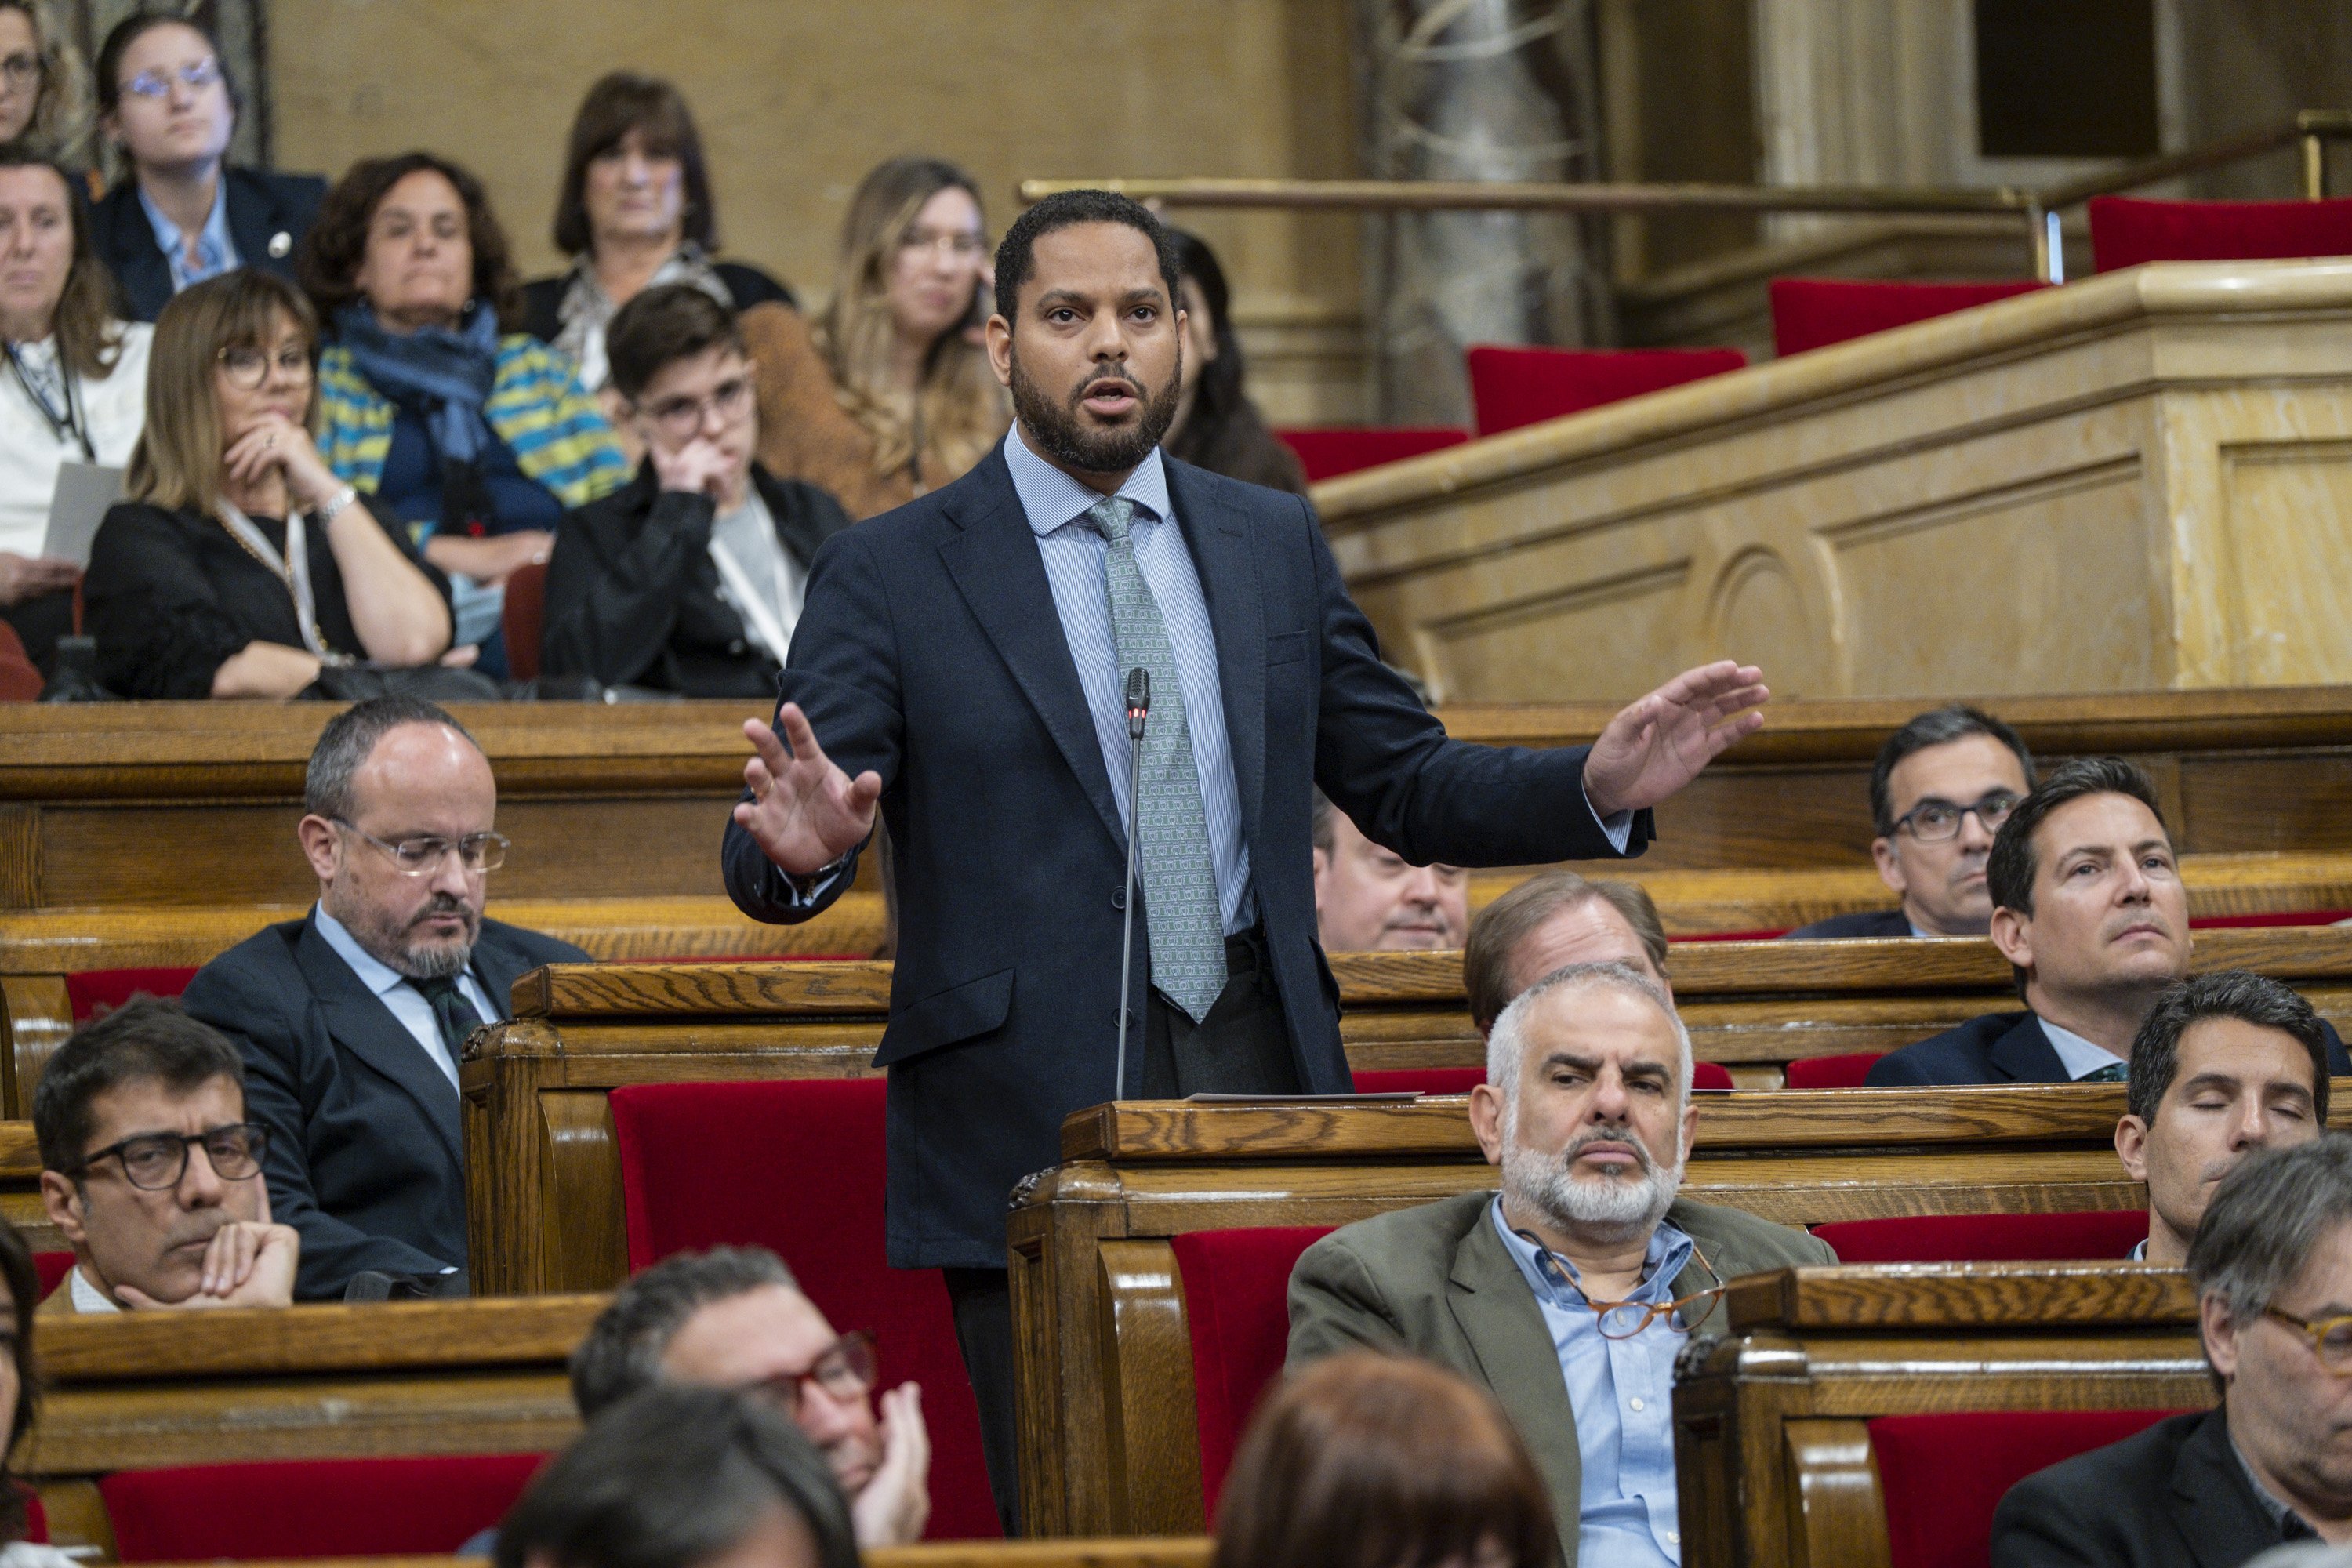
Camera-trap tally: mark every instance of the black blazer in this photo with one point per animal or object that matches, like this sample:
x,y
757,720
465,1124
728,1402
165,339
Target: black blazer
x,y
365,1155
2005,1047
931,651
632,596
1873,922
2174,1495
267,216
542,298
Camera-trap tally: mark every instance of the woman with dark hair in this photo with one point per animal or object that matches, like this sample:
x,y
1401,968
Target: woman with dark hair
x,y
44,99
471,434
17,1398
1217,427
635,210
182,214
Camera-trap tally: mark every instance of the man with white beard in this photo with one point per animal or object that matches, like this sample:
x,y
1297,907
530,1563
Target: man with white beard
x,y
1569,1293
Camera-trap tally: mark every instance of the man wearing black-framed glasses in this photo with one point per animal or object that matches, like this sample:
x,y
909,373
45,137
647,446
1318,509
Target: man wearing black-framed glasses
x,y
151,1172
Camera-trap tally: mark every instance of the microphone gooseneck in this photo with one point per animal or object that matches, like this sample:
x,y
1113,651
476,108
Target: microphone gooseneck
x,y
1138,708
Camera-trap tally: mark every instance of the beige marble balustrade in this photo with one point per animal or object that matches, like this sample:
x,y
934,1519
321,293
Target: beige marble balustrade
x,y
2142,480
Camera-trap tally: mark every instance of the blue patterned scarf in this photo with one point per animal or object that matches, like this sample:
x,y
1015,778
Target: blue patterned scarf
x,y
443,375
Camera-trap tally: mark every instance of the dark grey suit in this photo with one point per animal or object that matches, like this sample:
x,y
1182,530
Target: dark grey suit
x,y
1871,923
2174,1495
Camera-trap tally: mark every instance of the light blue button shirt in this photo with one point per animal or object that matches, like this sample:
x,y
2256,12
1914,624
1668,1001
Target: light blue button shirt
x,y
215,252
2078,1056
1620,1393
406,1002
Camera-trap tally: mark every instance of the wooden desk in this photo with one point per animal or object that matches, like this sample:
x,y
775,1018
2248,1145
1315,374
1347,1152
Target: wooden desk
x,y
1772,1454
20,1188
1123,1552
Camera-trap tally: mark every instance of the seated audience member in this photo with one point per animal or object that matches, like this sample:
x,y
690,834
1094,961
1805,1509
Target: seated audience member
x,y
20,1282
1550,921
1372,1458
690,579
182,214
888,394
240,565
472,436
1369,897
44,93
634,212
1942,787
682,1478
77,385
2271,1264
2225,1066
352,1019
734,1318
1217,427
1588,1272
2089,911
150,1169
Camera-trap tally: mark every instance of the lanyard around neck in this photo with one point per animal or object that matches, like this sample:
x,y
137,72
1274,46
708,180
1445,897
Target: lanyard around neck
x,y
293,568
61,425
756,608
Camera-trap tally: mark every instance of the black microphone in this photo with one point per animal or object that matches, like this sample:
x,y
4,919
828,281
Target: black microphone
x,y
1138,707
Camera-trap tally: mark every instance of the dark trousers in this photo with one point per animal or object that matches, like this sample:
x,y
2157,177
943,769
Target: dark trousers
x,y
1243,1046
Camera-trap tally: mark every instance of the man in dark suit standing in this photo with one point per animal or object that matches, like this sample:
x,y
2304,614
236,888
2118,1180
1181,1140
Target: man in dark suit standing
x,y
2272,1463
962,661
352,1020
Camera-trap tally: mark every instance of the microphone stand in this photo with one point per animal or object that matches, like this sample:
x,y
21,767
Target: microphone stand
x,y
1139,705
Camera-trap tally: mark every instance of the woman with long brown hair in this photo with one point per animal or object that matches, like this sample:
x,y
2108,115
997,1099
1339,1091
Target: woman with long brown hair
x,y
888,394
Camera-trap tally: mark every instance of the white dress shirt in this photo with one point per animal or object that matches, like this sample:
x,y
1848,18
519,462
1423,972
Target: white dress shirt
x,y
405,1001
32,449
2078,1056
86,1297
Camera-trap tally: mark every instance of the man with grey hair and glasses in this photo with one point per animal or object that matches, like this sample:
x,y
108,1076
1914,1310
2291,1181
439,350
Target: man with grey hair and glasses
x,y
2272,1265
1569,1293
352,1020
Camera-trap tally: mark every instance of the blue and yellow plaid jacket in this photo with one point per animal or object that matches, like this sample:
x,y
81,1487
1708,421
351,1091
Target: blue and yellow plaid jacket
x,y
556,432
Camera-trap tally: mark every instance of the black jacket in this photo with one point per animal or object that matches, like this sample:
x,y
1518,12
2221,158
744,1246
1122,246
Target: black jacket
x,y
932,652
632,596
2005,1047
2174,1495
365,1154
267,216
1873,922
542,298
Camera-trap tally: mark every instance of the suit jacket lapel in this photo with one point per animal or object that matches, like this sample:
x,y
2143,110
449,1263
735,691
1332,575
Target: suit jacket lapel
x,y
2026,1055
360,1021
1497,1314
1220,541
139,262
497,967
250,219
2213,1503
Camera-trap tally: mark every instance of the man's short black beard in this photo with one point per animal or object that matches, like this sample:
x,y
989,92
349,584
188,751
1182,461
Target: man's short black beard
x,y
1057,431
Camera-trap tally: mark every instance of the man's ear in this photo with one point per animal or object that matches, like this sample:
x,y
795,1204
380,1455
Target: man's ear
x,y
999,348
1890,866
1487,1120
319,846
2012,934
2221,1335
1690,1127
2131,1147
63,1202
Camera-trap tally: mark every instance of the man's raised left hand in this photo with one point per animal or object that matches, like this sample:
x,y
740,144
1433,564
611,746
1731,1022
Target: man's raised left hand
x,y
1661,743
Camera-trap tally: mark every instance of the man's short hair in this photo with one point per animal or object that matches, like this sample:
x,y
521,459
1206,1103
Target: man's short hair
x,y
1017,255
624,1350
2010,868
144,1039
673,1477
661,326
1937,726
345,743
1506,1046
1498,929
2266,1219
2228,993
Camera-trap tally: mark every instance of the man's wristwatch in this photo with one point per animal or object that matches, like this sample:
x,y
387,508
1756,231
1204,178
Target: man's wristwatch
x,y
806,886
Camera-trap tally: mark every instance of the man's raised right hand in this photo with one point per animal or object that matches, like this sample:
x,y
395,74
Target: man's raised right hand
x,y
804,813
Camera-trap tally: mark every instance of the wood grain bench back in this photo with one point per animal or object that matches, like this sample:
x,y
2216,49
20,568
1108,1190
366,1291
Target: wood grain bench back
x,y
1122,1552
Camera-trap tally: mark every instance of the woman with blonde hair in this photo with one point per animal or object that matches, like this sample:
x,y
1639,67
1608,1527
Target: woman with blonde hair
x,y
44,86
888,394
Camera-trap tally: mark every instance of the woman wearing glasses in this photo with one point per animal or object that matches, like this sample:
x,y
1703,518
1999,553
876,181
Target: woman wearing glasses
x,y
44,102
183,214
241,566
889,393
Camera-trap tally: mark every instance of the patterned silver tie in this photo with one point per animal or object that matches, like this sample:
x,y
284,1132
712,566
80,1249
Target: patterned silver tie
x,y
1181,913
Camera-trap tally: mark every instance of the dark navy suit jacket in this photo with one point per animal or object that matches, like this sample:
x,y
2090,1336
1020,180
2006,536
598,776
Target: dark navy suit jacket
x,y
267,216
931,651
2004,1047
1875,922
2174,1495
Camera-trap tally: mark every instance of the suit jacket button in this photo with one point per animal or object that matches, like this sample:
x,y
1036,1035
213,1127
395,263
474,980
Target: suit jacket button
x,y
737,648
1119,898
281,245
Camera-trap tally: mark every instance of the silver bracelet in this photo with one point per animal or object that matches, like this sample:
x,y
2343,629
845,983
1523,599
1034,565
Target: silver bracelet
x,y
336,503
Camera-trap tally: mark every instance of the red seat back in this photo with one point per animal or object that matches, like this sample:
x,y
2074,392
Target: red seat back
x,y
37,1517
1987,1237
1814,312
1462,1080
20,677
1830,1072
796,1167
95,991
522,616
2128,230
52,1267
312,1507
1512,387
1236,1306
1327,454
1942,1476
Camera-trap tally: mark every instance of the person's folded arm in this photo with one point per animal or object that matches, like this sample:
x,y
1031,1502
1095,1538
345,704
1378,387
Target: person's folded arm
x,y
401,613
609,616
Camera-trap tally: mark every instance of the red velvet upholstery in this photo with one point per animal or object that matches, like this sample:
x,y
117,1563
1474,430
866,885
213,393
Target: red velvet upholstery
x,y
1462,1080
37,1517
1511,387
94,991
1942,1476
312,1507
1814,312
51,1267
1236,1284
1830,1072
20,679
1987,1237
796,1167
522,616
2128,230
1327,454
2276,918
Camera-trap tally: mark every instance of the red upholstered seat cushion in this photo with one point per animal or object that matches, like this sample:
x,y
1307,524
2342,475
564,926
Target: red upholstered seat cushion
x,y
1942,1476
2128,230
796,1167
52,1267
1814,312
1830,1072
37,1517
1236,1287
94,991
20,677
1987,1237
1327,454
1512,387
312,1507
522,616
1462,1080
